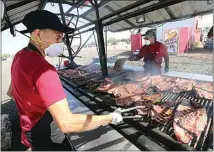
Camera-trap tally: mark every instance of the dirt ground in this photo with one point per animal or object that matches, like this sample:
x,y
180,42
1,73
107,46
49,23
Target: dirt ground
x,y
199,61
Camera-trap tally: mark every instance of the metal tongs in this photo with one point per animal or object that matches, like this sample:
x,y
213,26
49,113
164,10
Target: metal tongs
x,y
130,109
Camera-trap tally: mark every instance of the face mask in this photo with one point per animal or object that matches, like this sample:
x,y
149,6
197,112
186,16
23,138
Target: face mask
x,y
53,50
147,42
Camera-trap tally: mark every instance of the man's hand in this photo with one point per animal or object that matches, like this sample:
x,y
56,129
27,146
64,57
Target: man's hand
x,y
116,116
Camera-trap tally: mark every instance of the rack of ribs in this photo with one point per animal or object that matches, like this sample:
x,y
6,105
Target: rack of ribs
x,y
162,112
204,90
182,85
189,121
126,90
105,85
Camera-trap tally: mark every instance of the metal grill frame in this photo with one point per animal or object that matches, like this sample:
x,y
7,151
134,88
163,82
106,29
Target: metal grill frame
x,y
160,132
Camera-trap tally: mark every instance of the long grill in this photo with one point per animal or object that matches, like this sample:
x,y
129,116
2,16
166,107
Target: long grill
x,y
163,135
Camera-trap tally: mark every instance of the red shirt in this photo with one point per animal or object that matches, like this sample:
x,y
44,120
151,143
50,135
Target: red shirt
x,y
35,86
153,52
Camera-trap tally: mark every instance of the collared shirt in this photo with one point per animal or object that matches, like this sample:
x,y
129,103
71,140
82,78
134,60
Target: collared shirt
x,y
35,86
153,52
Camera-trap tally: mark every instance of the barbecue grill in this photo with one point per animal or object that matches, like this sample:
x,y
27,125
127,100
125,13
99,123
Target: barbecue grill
x,y
151,135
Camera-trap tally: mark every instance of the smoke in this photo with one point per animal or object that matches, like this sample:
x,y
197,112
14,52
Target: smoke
x,y
152,68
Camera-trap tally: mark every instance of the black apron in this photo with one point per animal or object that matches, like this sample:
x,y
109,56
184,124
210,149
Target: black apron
x,y
40,135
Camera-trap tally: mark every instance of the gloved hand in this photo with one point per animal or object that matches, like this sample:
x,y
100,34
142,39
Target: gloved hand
x,y
166,70
116,116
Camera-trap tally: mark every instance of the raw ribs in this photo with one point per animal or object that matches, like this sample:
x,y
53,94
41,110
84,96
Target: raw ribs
x,y
204,90
189,121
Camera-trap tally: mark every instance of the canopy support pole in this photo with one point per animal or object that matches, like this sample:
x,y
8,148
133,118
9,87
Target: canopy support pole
x,y
100,39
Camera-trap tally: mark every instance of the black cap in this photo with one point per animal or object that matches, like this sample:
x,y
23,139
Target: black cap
x,y
42,19
149,34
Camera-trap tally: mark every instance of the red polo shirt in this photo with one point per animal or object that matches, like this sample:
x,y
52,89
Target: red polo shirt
x,y
154,52
35,86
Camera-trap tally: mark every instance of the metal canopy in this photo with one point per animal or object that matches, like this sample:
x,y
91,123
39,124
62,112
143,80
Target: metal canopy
x,y
113,10
17,9
184,9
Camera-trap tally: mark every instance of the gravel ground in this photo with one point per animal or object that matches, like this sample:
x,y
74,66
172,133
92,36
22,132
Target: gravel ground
x,y
199,62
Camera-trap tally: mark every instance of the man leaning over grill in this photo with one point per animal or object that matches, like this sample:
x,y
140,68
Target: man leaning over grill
x,y
152,52
37,90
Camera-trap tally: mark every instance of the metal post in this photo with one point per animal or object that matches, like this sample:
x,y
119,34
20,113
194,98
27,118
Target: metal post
x,y
100,39
106,31
68,43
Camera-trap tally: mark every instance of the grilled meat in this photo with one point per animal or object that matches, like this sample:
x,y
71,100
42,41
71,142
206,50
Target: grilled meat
x,y
204,90
126,90
155,80
128,100
162,112
175,85
182,85
106,85
92,84
70,73
159,83
189,121
91,68
154,98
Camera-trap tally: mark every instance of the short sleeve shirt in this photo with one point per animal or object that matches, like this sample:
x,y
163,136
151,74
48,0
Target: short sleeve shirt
x,y
35,86
153,52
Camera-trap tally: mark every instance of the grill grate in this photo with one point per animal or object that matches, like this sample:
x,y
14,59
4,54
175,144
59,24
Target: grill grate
x,y
165,130
196,143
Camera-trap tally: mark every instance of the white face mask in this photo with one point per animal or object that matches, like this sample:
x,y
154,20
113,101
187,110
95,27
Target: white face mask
x,y
54,50
147,42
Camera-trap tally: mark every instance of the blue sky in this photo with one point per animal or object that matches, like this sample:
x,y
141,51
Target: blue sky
x,y
12,44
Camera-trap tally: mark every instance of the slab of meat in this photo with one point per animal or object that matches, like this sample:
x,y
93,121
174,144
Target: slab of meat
x,y
106,85
92,84
189,121
182,85
126,90
162,112
91,68
154,98
127,101
161,83
69,73
204,90
175,85
147,101
144,111
164,86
